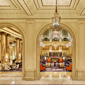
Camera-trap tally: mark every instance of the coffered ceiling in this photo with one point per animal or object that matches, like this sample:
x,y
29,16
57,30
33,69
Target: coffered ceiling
x,y
53,2
25,9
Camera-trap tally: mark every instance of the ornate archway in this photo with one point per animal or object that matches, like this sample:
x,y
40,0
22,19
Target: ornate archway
x,y
71,32
6,24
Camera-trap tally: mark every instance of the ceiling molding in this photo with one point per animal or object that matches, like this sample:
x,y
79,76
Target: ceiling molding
x,y
81,8
35,9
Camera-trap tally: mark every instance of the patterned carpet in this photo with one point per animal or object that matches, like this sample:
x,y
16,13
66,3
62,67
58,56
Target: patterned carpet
x,y
56,68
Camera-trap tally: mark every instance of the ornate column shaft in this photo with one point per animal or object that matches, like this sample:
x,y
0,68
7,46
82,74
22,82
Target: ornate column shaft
x,y
7,48
17,49
20,50
3,47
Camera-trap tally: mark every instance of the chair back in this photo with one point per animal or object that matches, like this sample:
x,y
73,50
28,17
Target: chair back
x,y
60,60
40,66
49,60
70,66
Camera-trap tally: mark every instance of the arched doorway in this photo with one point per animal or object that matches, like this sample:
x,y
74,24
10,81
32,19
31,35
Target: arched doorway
x,y
15,47
69,30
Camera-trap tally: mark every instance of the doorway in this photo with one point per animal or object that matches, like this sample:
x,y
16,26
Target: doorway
x,y
58,53
11,51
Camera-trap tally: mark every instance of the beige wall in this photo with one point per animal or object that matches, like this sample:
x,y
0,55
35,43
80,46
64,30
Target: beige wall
x,y
0,51
30,30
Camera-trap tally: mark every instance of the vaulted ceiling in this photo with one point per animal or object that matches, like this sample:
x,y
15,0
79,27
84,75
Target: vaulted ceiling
x,y
41,8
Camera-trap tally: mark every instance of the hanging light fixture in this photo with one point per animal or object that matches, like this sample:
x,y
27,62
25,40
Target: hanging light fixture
x,y
56,23
55,34
68,44
42,44
56,19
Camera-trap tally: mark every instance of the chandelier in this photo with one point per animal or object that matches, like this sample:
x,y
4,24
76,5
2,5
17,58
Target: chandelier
x,y
56,34
56,19
42,44
68,44
56,23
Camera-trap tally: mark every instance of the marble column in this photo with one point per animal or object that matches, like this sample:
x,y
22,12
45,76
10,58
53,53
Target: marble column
x,y
3,47
17,50
7,48
20,50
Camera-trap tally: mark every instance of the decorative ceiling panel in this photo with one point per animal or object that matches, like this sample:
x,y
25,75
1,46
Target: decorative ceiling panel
x,y
62,4
4,3
83,12
59,2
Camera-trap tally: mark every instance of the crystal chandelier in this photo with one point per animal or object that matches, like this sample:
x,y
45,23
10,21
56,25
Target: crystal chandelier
x,y
56,34
68,44
56,23
42,44
56,19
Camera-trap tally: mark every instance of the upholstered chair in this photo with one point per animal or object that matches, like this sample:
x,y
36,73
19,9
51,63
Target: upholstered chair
x,y
70,67
49,60
41,67
60,60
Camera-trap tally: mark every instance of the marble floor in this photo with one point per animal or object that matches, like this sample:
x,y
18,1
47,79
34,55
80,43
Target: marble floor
x,y
47,78
41,81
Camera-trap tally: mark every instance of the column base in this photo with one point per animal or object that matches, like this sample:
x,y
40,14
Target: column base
x,y
30,75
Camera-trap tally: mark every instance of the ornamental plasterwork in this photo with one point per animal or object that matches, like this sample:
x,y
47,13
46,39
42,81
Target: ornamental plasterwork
x,y
34,9
81,7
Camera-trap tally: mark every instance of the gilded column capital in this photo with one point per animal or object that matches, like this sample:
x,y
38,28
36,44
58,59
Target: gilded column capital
x,y
3,33
17,38
8,35
20,39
